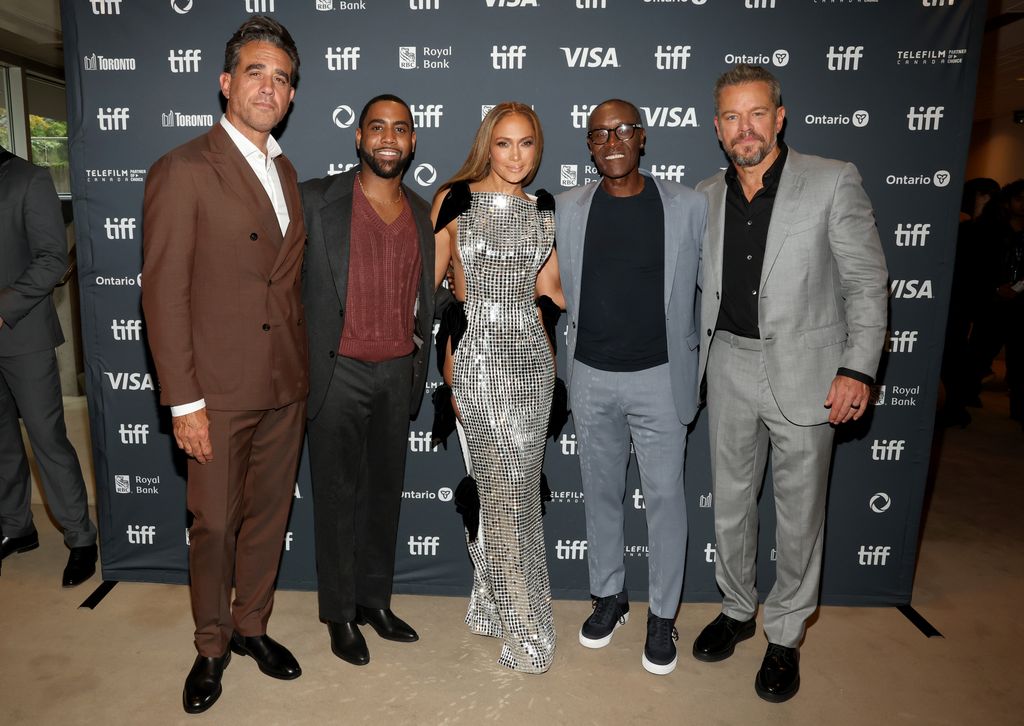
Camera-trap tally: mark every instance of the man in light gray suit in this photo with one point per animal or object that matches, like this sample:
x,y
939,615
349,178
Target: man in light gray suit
x,y
632,371
793,315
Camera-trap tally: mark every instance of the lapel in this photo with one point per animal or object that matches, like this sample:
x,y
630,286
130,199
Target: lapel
x,y
336,229
716,230
295,235
787,205
668,205
578,228
426,238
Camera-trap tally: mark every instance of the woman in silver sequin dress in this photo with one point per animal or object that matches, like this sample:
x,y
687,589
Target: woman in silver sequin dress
x,y
500,243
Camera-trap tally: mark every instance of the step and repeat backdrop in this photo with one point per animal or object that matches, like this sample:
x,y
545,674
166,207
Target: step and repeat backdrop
x,y
883,83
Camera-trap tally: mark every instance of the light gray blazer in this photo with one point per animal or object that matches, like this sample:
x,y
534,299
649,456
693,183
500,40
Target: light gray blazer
x,y
685,219
823,292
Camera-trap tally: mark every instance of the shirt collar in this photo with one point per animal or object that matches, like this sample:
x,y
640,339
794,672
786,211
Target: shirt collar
x,y
248,148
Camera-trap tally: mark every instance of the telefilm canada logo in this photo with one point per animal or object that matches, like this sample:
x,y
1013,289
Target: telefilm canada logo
x,y
115,175
931,56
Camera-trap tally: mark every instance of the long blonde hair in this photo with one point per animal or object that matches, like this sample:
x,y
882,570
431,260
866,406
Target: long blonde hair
x,y
478,163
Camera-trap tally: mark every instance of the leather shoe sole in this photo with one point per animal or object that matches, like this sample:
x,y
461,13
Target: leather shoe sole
x,y
746,630
283,672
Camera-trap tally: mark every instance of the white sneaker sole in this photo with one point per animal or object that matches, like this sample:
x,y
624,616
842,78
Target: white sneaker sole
x,y
659,670
602,642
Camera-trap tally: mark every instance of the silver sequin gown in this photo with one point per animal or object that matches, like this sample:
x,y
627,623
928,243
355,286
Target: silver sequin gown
x,y
503,375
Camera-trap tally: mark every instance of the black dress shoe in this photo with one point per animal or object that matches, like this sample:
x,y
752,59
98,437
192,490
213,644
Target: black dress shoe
x,y
779,677
719,638
202,687
11,545
348,643
273,658
81,566
388,625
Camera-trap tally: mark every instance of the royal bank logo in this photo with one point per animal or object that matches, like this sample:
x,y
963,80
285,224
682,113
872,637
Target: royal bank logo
x,y
669,116
105,7
431,58
638,500
939,178
342,58
873,555
567,445
580,115
669,172
424,4
902,341
844,57
508,57
181,7
125,330
512,3
922,118
778,58
327,5
97,62
568,175
419,442
115,175
334,169
427,115
485,109
878,395
133,434
113,119
931,57
704,501
185,61
571,549
671,57
407,57
898,395
880,502
143,484
859,118
425,175
591,4
582,57
259,6
122,483
141,534
887,449
173,119
759,4
912,234
343,116
117,228
424,546
126,381
911,289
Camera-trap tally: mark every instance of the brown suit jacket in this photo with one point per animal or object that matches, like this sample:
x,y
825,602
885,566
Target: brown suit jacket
x,y
221,288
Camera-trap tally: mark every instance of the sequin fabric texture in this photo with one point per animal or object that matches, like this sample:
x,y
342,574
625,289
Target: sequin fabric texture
x,y
503,375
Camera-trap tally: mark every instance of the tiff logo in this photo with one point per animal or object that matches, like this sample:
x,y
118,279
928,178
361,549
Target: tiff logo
x,y
887,449
340,168
119,227
638,500
873,555
427,116
844,58
424,4
580,115
342,58
288,541
508,57
185,61
419,443
759,4
591,4
938,3
669,172
924,119
573,549
568,444
126,329
704,501
134,433
710,553
902,341
671,57
259,6
105,7
112,119
912,235
141,533
423,546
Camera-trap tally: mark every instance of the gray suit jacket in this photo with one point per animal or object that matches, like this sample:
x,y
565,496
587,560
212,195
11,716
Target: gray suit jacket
x,y
685,218
327,204
33,256
823,289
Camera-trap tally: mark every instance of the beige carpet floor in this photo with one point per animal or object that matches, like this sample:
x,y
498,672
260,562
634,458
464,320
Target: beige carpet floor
x,y
125,661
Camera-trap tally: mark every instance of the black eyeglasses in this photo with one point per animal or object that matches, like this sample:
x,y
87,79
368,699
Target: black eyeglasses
x,y
623,132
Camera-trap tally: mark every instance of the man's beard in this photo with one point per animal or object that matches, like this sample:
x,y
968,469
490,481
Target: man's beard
x,y
387,170
757,156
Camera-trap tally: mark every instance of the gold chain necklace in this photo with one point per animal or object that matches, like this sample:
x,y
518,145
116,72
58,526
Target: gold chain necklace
x,y
374,199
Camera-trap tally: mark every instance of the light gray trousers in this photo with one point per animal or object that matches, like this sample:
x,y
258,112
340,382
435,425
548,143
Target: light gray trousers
x,y
609,409
743,422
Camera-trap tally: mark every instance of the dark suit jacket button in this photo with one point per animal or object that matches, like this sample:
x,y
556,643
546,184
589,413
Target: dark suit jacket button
x,y
266,326
331,354
341,312
254,236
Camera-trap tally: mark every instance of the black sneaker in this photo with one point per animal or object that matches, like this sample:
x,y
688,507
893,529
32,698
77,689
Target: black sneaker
x,y
660,648
609,613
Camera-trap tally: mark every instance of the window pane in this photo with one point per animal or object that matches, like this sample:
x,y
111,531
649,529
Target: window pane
x,y
5,121
48,130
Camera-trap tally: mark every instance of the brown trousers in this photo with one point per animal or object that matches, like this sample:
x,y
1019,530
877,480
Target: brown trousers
x,y
240,503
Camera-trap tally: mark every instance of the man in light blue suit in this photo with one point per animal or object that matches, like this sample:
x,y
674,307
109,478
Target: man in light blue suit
x,y
793,320
632,371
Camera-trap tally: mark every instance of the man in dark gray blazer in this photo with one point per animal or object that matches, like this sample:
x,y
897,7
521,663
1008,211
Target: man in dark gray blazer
x,y
793,317
632,370
368,292
33,256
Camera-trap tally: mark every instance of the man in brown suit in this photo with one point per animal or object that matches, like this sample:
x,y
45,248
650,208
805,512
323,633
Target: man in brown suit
x,y
223,239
